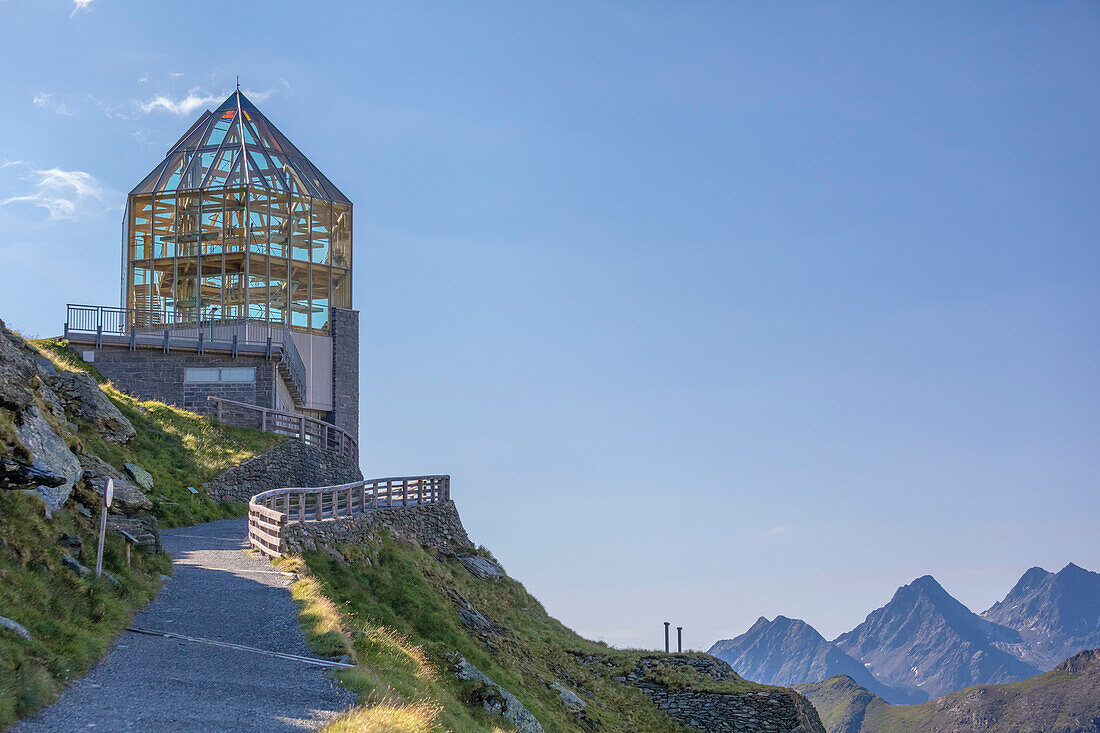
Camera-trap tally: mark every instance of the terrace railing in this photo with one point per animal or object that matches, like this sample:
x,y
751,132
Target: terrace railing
x,y
270,511
190,329
309,430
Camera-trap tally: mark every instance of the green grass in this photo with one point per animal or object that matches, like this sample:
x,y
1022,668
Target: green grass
x,y
71,619
394,604
179,448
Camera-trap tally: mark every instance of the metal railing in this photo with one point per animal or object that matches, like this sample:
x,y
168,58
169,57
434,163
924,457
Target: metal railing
x,y
309,430
188,329
270,511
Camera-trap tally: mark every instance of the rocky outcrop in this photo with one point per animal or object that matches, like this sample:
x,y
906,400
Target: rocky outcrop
x,y
128,499
780,710
143,527
50,454
84,399
432,526
291,463
481,567
494,698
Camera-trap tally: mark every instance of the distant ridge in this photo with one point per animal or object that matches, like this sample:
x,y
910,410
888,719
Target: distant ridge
x,y
1064,700
785,651
926,640
1056,614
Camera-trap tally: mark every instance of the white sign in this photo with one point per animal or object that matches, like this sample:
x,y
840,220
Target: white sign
x,y
109,492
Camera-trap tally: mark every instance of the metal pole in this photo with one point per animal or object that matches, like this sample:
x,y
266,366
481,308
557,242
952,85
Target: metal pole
x,y
680,639
666,637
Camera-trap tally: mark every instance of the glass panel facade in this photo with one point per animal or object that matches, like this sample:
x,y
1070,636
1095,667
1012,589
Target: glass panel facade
x,y
237,223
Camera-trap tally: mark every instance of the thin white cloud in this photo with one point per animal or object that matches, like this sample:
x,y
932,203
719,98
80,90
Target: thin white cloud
x,y
45,100
80,5
776,530
63,194
184,106
175,74
143,79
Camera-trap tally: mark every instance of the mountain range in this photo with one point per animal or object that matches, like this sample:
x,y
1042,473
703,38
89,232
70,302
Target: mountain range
x,y
924,643
1063,700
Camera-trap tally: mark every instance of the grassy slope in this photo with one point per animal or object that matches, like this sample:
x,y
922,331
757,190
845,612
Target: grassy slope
x,y
1058,701
390,606
72,619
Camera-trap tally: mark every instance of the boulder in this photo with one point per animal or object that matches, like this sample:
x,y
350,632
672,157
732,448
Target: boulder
x,y
83,398
49,454
143,478
128,499
572,702
16,628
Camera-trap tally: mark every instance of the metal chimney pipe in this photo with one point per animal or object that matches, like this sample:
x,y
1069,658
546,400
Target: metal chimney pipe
x,y
666,636
680,639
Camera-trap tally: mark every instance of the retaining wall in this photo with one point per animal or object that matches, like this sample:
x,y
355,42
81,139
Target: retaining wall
x,y
432,526
291,463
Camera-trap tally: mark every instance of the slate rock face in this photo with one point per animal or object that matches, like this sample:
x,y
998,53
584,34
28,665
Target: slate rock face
x,y
16,370
84,399
481,567
49,454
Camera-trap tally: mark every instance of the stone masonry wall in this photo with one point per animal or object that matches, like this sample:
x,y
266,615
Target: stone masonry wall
x,y
778,710
345,370
150,374
432,526
289,464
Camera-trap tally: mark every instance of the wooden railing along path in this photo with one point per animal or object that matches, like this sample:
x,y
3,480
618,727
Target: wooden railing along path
x,y
309,430
270,511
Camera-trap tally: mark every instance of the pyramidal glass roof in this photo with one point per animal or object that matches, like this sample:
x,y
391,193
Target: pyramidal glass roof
x,y
236,145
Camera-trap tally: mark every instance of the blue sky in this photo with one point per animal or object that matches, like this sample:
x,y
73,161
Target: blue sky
x,y
711,310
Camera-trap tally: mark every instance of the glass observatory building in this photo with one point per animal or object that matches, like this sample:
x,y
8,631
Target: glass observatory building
x,y
236,223
236,281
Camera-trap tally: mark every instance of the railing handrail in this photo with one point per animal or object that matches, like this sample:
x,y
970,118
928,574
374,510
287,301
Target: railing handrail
x,y
270,511
309,430
95,319
293,360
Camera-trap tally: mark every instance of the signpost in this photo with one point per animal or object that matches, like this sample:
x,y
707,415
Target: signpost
x,y
108,494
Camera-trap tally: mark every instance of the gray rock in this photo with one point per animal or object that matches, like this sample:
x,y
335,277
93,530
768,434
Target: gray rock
x,y
45,366
70,562
142,526
49,453
83,398
572,702
22,475
16,369
143,478
481,567
497,700
128,499
14,627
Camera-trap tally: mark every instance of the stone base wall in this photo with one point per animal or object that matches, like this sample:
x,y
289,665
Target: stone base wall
x,y
150,374
432,526
289,464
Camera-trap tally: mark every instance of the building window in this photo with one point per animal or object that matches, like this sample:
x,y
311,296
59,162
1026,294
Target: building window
x,y
239,374
225,374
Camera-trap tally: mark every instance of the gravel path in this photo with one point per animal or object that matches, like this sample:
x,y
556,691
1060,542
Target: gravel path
x,y
152,683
